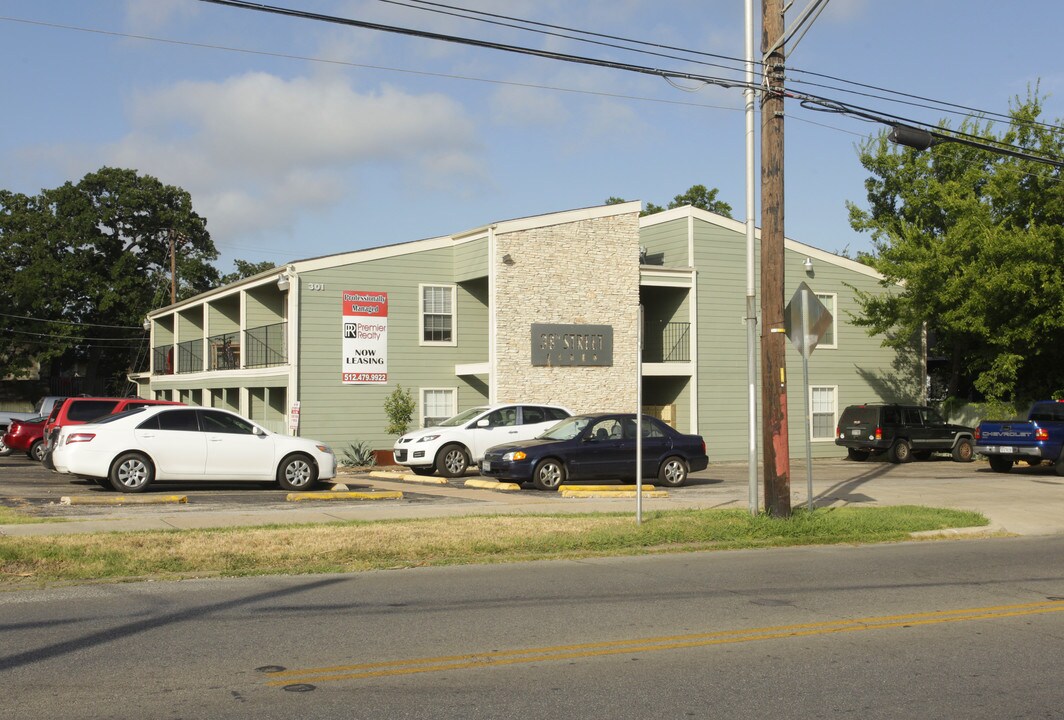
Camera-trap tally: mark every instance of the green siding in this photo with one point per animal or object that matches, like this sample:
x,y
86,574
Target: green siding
x,y
346,414
666,244
861,369
263,306
471,260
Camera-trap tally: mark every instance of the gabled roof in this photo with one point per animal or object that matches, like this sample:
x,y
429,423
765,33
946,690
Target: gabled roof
x,y
739,227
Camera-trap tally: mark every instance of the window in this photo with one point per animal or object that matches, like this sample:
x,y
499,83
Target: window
x,y
437,404
183,420
823,408
437,315
830,301
219,422
503,417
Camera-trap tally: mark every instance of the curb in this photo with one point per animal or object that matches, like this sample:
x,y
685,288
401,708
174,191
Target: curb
x,y
612,493
493,485
424,479
607,488
345,495
122,499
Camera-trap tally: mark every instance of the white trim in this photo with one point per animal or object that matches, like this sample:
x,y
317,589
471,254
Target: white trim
x,y
834,310
690,241
669,369
657,276
493,278
834,411
421,315
483,368
421,401
692,299
291,356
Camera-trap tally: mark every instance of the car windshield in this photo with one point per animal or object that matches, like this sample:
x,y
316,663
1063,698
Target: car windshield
x,y
462,417
566,429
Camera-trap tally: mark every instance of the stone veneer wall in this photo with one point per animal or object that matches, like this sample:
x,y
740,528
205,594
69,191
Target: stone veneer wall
x,y
584,272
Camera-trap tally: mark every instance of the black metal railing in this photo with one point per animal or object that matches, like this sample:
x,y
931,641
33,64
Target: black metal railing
x,y
224,352
667,342
162,360
190,356
267,345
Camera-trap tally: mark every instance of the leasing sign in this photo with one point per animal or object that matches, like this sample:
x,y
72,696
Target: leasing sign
x,y
365,337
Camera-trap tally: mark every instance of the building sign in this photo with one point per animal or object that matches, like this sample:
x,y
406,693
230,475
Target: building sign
x,y
365,337
567,345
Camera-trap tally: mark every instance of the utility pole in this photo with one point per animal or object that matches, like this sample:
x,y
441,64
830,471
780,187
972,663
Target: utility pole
x,y
776,452
173,269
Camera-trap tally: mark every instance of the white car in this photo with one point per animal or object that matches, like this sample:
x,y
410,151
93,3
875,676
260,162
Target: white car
x,y
456,443
130,450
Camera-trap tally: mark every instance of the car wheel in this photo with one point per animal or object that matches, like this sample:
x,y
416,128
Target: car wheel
x,y
673,472
36,451
963,451
548,475
423,469
4,449
452,461
131,472
297,473
901,452
1000,464
858,455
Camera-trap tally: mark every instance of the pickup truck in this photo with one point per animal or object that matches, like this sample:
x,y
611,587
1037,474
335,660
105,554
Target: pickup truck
x,y
1038,439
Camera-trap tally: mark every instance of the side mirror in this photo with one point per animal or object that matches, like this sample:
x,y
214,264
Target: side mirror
x,y
482,423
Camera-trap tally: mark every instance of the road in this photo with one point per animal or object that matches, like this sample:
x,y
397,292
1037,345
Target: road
x,y
966,628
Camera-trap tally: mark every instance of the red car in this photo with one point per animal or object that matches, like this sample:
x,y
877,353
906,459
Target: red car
x,y
27,436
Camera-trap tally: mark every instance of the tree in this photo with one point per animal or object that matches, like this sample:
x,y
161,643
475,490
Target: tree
x,y
399,407
972,244
245,269
81,264
697,196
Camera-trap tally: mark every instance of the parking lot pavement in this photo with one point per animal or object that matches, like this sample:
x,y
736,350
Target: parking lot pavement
x,y
1025,501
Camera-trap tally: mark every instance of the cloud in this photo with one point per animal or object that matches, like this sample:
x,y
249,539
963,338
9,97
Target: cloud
x,y
256,150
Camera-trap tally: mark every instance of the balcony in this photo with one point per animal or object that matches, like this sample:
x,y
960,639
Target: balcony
x,y
190,356
267,345
224,351
162,360
666,342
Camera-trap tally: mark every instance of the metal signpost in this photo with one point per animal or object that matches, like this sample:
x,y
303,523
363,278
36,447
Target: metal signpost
x,y
807,321
639,419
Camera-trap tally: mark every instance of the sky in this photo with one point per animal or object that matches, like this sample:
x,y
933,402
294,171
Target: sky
x,y
298,138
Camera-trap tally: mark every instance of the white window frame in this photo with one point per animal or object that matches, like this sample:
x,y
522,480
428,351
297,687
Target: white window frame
x,y
421,401
833,308
834,412
421,315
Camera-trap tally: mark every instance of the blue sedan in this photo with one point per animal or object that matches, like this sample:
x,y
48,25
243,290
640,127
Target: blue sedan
x,y
589,447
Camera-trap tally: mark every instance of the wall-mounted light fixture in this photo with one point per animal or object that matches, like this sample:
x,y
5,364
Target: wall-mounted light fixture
x,y
507,259
808,264
283,282
146,325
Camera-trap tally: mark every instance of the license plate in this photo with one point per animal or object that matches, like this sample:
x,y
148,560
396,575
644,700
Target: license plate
x,y
855,432
485,466
1005,449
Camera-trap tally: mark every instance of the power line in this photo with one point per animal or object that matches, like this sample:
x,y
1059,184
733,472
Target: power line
x,y
826,103
71,322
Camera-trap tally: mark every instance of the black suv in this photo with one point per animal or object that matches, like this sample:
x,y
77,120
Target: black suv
x,y
901,431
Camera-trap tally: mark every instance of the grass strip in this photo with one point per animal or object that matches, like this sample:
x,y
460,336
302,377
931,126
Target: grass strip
x,y
359,546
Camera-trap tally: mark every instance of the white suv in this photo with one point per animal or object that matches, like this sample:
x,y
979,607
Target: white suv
x,y
456,443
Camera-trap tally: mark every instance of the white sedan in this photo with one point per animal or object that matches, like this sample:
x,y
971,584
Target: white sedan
x,y
458,442
130,450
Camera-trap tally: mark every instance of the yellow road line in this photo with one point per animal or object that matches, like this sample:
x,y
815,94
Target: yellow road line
x,y
674,642
121,499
